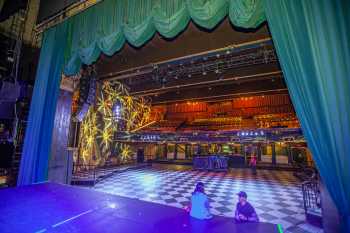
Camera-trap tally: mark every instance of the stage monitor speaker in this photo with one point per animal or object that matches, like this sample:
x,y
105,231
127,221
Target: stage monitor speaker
x,y
6,152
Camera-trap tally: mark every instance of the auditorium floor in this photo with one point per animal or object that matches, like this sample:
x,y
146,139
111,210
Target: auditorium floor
x,y
276,195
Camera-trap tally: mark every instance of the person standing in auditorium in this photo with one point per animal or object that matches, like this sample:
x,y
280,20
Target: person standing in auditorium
x,y
252,163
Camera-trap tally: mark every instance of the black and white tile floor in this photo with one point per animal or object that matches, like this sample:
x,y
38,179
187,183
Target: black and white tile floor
x,y
276,195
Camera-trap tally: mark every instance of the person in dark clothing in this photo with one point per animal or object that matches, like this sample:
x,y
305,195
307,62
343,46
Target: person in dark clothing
x,y
245,212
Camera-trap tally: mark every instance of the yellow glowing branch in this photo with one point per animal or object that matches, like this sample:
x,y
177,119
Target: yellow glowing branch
x,y
125,152
107,137
102,125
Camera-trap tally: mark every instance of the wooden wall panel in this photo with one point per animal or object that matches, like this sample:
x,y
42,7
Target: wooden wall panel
x,y
58,164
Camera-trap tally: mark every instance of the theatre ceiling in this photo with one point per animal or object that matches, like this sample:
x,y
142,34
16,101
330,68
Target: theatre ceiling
x,y
198,64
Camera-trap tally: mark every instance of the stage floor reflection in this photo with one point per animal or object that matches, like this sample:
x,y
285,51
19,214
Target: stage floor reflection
x,y
51,207
276,195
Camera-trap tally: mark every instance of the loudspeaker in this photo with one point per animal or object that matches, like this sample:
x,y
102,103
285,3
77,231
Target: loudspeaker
x,y
11,7
73,138
6,152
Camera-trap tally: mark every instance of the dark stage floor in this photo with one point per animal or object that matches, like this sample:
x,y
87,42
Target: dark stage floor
x,y
59,208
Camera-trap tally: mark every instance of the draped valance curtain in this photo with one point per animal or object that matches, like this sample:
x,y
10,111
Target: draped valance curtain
x,y
106,26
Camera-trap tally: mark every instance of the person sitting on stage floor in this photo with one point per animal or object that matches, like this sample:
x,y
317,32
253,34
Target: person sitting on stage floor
x,y
199,206
245,212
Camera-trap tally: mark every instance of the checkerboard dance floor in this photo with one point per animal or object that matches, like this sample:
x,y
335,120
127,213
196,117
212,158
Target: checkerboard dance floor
x,y
276,195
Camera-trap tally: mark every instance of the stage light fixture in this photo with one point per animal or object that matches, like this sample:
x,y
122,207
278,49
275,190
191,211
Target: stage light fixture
x,y
117,110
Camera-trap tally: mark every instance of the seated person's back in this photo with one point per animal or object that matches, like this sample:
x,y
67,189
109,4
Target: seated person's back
x,y
200,203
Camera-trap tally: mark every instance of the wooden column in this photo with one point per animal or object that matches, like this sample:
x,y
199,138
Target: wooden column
x,y
60,162
165,151
175,151
273,146
259,152
187,152
289,153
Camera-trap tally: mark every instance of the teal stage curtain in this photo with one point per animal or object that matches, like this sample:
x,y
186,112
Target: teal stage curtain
x,y
34,161
312,40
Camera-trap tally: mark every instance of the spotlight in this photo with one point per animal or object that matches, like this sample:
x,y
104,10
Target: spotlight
x,y
112,205
117,110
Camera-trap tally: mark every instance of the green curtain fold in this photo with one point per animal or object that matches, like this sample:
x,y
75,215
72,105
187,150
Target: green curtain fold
x,y
37,143
106,26
312,42
207,13
246,14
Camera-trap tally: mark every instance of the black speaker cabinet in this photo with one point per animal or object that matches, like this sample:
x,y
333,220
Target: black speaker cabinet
x,y
6,152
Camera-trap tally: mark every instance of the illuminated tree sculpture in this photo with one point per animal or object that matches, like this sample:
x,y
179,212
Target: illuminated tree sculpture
x,y
115,111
